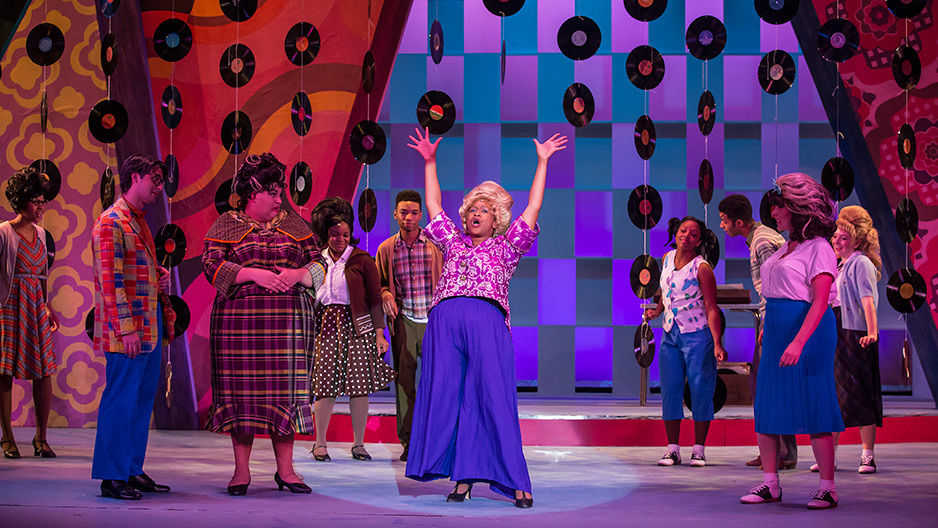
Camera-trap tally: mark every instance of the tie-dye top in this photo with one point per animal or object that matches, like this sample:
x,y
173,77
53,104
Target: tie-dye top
x,y
681,296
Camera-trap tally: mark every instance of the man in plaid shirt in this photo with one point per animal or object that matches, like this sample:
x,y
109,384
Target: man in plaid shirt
x,y
409,267
132,321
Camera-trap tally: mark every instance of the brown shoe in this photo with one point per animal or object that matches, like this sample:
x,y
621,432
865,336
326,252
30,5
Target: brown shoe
x,y
755,461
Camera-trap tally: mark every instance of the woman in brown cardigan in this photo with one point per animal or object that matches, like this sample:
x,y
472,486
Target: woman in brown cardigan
x,y
350,339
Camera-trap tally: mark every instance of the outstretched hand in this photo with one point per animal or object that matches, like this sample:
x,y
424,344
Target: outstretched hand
x,y
547,148
423,145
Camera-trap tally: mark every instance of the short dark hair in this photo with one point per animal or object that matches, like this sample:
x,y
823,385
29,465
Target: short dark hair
x,y
736,207
258,173
141,165
675,223
408,195
332,212
24,186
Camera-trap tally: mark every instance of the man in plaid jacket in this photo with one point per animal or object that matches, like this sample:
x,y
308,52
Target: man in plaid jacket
x,y
132,321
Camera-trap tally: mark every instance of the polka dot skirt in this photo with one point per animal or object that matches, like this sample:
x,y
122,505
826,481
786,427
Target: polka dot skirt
x,y
346,364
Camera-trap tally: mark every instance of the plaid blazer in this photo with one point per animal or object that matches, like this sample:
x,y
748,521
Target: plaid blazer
x,y
125,281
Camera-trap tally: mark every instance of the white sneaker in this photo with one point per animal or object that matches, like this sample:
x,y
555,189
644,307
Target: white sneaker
x,y
670,458
823,500
867,465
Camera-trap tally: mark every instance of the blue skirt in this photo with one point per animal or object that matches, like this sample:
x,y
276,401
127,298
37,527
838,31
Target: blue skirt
x,y
801,398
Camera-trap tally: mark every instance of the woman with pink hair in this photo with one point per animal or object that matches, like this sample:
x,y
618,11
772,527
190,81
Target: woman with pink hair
x,y
466,415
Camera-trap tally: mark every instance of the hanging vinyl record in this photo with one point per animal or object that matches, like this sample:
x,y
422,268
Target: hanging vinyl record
x,y
236,65
906,146
301,183
367,210
705,37
644,345
107,189
906,8
109,7
838,40
705,181
436,42
44,112
905,290
837,178
172,40
52,175
107,121
301,43
907,220
171,178
706,113
171,107
50,249
170,244
238,10
301,113
236,132
776,11
644,207
108,54
776,72
645,10
89,324
436,111
368,72
645,137
906,67
503,7
45,44
579,37
503,62
225,198
368,142
710,248
183,315
765,212
644,276
578,105
645,67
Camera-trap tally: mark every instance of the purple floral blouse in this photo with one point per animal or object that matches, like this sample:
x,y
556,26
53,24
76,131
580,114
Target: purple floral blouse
x,y
478,271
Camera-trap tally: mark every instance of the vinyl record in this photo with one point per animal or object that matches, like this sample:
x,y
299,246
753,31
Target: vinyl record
x,y
302,43
579,37
644,276
52,174
578,105
236,65
705,181
838,39
50,249
645,10
706,113
236,132
45,44
367,210
170,244
905,290
765,212
906,146
837,178
503,7
225,198
705,37
301,112
238,10
644,207
368,72
44,112
436,111
301,183
906,8
645,137
906,67
436,42
776,11
107,189
503,63
644,345
171,178
183,315
710,248
776,72
645,67
907,220
109,7
172,40
368,142
107,121
171,107
89,324
719,395
108,54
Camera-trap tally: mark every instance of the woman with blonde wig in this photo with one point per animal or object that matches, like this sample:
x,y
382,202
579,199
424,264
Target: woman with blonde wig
x,y
466,415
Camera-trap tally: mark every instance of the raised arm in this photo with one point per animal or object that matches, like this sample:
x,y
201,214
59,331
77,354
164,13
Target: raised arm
x,y
536,196
432,195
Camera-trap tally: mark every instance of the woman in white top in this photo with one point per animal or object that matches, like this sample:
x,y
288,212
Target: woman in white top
x,y
692,343
795,388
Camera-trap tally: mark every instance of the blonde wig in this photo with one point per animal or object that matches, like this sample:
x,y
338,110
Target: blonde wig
x,y
810,204
497,198
856,221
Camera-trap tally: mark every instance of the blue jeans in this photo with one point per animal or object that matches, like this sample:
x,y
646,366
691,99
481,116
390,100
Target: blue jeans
x,y
687,357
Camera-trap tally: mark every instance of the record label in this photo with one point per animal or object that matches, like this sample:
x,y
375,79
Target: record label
x,y
905,290
578,105
108,54
183,315
225,198
301,113
776,11
503,7
301,183
645,137
172,40
906,146
645,10
171,179
706,113
45,44
237,65
107,189
644,207
906,67
837,178
368,72
644,276
109,7
107,121
906,8
53,177
367,210
170,244
838,40
644,345
171,107
705,181
776,72
579,38
706,37
907,220
645,67
436,42
301,43
238,10
236,132
367,141
436,111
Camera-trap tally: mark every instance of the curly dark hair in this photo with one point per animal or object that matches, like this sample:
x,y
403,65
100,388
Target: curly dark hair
x,y
24,186
258,173
331,212
408,195
675,223
736,207
139,165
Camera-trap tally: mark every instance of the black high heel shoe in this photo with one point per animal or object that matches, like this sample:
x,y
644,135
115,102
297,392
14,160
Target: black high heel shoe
x,y
523,502
9,449
361,455
41,449
294,487
455,496
239,490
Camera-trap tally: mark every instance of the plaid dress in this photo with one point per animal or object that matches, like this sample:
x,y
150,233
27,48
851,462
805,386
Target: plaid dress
x,y
260,341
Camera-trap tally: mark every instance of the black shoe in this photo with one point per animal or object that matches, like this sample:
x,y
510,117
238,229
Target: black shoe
x,y
361,455
119,489
460,497
294,487
239,490
9,449
41,449
144,483
524,502
404,454
320,458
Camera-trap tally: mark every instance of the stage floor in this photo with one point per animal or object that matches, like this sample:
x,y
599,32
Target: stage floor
x,y
573,486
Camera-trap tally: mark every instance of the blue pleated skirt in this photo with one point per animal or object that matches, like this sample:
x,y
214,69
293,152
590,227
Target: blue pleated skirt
x,y
802,398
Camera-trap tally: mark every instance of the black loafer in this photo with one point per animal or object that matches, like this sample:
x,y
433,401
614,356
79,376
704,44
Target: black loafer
x,y
524,503
144,483
119,489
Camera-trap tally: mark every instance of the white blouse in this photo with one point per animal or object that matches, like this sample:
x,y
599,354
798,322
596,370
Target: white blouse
x,y
790,277
334,289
